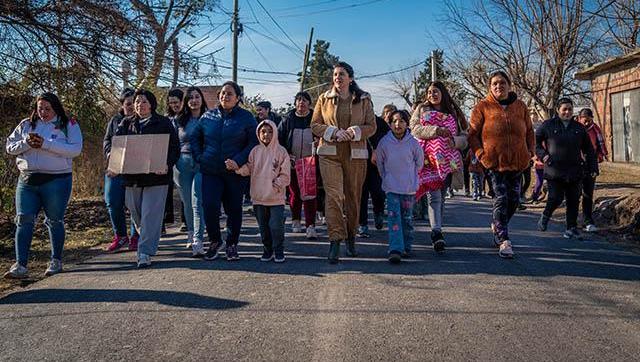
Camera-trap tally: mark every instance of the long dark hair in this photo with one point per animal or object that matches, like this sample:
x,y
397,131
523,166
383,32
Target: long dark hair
x,y
185,112
57,107
175,92
447,104
353,86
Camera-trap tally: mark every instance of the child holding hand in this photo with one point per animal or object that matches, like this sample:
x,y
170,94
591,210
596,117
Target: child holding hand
x,y
270,170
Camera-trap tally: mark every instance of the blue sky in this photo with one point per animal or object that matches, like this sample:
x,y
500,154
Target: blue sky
x,y
374,36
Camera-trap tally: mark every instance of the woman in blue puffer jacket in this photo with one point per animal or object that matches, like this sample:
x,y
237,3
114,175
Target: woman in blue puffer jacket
x,y
220,143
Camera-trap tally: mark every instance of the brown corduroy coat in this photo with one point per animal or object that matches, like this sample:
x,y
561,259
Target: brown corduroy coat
x,y
324,125
502,139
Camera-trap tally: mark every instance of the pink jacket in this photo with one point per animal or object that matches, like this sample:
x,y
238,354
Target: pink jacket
x,y
270,170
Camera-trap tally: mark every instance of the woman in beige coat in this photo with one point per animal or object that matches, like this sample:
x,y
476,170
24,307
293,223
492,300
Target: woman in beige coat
x,y
343,119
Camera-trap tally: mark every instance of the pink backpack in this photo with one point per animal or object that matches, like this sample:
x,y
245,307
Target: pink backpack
x,y
440,159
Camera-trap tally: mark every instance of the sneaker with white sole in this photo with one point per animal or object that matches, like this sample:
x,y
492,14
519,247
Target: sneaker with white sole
x,y
55,267
571,233
505,251
590,228
279,257
296,226
197,249
190,240
311,233
144,260
266,256
17,271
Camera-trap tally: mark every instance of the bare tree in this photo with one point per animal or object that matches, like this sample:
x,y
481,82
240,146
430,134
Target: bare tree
x,y
403,84
166,21
622,23
540,43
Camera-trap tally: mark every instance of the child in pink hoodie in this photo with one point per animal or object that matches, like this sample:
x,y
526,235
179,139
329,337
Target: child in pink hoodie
x,y
270,169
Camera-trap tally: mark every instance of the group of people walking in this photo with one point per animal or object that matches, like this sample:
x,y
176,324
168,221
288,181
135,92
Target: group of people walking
x,y
216,154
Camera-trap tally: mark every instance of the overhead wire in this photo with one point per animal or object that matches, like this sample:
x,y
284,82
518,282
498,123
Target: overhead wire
x,y
330,10
280,27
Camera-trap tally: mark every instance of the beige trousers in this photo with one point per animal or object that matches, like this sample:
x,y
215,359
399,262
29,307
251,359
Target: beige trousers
x,y
342,179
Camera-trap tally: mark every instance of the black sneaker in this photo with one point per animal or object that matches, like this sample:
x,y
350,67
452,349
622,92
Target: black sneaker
x,y
395,257
279,258
407,254
183,228
379,220
266,256
438,241
212,252
232,253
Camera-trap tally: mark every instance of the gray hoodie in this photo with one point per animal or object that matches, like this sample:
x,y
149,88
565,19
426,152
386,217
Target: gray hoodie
x,y
399,162
57,152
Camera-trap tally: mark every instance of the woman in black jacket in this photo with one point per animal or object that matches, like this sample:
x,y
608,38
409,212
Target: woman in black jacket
x,y
564,146
114,190
146,193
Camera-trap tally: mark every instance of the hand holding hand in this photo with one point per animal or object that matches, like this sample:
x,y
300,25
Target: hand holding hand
x,y
231,165
351,133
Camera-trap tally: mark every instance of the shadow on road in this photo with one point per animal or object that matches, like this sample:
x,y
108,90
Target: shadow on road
x,y
164,297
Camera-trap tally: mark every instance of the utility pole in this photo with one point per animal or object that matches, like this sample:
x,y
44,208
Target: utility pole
x,y
433,65
305,64
235,28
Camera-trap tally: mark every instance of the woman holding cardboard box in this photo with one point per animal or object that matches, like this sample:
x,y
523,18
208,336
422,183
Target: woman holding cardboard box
x,y
146,193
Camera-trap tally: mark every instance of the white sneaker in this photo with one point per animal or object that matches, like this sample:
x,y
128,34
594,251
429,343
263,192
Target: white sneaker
x,y
17,271
321,219
505,250
55,267
190,239
311,233
296,226
144,260
197,248
591,228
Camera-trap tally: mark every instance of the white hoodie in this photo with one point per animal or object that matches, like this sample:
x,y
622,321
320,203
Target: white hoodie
x,y
58,148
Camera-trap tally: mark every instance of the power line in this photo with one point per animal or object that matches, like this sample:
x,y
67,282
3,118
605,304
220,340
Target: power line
x,y
273,39
279,27
306,5
266,61
390,72
331,10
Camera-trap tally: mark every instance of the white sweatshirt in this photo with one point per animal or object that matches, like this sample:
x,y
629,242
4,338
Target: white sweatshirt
x,y
58,148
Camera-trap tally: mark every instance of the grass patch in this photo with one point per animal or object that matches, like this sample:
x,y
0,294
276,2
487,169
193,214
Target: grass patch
x,y
79,246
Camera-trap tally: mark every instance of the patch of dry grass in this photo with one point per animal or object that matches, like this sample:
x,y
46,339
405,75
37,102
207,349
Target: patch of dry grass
x,y
79,246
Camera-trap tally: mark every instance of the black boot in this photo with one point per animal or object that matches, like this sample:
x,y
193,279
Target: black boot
x,y
334,252
351,247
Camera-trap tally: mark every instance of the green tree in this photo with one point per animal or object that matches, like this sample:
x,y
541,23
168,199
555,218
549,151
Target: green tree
x,y
320,69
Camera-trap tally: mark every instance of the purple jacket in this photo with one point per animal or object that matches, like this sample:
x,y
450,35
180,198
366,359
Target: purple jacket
x,y
399,162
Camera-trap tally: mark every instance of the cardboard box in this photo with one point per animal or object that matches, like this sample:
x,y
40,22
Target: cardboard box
x,y
139,154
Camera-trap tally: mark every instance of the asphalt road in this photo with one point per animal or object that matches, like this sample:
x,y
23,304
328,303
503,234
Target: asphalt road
x,y
558,300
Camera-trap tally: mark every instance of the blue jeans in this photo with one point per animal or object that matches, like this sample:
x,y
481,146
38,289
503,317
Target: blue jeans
x,y
114,192
226,189
188,180
271,224
400,221
53,197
